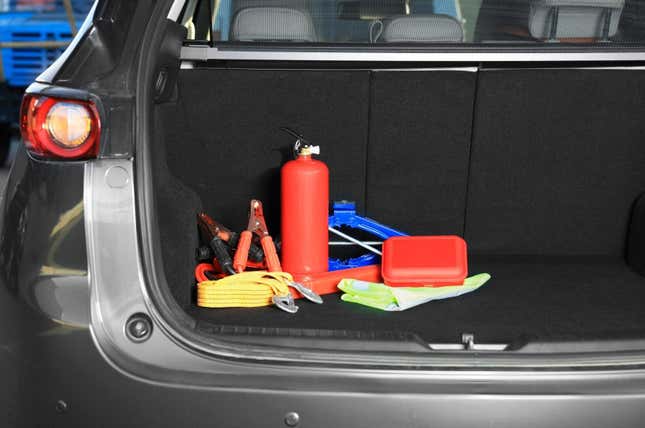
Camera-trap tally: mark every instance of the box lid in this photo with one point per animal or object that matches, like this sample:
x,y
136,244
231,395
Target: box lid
x,y
424,260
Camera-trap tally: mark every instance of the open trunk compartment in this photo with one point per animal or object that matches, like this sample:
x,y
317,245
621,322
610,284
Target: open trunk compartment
x,y
540,170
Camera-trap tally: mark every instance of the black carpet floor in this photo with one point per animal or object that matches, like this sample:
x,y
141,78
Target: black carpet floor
x,y
527,298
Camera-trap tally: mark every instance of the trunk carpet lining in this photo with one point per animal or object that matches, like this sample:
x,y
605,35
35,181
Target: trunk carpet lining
x,y
528,298
545,178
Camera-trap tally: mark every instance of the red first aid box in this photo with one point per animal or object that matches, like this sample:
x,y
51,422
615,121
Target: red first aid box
x,y
417,261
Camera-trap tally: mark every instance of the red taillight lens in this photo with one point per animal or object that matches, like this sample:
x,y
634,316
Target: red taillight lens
x,y
56,128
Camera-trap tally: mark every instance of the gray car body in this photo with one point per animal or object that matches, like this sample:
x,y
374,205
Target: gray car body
x,y
72,272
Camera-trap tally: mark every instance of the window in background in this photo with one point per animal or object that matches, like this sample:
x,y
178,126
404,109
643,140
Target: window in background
x,y
384,22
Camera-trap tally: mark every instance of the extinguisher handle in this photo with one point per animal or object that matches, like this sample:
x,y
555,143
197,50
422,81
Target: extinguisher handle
x,y
271,255
242,252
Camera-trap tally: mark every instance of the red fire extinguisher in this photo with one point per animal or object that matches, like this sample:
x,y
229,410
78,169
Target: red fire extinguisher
x,y
305,210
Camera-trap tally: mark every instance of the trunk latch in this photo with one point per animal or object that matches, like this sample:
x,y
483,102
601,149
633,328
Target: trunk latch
x,y
468,344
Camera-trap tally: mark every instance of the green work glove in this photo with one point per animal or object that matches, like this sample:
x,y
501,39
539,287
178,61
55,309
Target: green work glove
x,y
380,296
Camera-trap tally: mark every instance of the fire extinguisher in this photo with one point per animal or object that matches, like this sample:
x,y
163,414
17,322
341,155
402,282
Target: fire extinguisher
x,y
305,210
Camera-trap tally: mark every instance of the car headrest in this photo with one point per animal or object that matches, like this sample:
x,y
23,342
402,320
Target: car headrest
x,y
575,18
272,24
422,28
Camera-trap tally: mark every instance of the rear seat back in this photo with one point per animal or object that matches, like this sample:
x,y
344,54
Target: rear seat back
x,y
556,167
272,24
574,19
422,28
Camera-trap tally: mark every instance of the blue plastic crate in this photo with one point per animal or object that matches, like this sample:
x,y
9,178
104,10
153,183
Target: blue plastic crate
x,y
22,65
81,7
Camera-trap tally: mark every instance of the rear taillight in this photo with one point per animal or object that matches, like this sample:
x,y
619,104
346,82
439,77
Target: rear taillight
x,y
57,128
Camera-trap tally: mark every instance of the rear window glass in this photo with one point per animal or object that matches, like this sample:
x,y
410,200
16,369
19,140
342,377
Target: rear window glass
x,y
416,21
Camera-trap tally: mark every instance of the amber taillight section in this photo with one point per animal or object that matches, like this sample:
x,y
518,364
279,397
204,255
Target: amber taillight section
x,y
55,128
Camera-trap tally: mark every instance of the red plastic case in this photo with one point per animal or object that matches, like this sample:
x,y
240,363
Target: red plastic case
x,y
417,261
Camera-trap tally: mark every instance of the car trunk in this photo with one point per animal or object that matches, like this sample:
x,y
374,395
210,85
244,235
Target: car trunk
x,y
540,170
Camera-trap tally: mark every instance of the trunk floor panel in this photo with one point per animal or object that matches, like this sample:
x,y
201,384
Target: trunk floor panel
x,y
554,299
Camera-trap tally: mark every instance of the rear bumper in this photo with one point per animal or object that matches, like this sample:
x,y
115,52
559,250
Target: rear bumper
x,y
67,367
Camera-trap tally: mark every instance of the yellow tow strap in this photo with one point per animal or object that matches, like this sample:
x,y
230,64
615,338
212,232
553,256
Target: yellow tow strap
x,y
243,290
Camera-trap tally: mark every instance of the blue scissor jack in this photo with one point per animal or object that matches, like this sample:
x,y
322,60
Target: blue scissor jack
x,y
344,214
